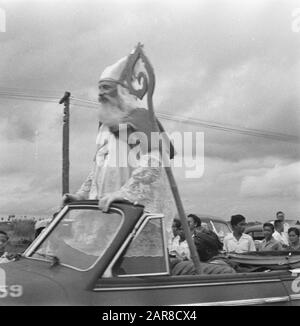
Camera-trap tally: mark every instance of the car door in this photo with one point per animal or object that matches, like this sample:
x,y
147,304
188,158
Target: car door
x,y
291,280
140,275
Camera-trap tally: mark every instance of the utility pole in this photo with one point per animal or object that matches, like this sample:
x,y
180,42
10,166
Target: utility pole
x,y
65,142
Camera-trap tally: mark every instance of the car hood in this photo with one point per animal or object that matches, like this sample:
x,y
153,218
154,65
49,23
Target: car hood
x,y
25,286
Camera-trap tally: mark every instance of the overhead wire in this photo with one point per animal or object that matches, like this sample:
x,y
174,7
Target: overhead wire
x,y
22,94
215,125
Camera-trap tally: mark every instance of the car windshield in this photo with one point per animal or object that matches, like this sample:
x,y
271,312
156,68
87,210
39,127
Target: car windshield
x,y
79,238
221,228
292,222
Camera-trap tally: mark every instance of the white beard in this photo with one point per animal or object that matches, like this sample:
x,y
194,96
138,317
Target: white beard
x,y
110,115
113,112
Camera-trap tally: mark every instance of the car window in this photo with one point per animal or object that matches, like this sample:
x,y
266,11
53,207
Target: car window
x,y
145,254
207,226
222,229
80,237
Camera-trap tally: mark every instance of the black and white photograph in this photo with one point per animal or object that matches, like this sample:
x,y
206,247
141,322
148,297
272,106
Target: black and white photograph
x,y
150,155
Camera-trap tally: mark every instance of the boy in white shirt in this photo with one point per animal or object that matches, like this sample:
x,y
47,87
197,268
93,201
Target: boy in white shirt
x,y
178,246
279,233
238,241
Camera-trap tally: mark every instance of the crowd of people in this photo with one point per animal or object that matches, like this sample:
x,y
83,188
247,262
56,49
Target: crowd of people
x,y
278,236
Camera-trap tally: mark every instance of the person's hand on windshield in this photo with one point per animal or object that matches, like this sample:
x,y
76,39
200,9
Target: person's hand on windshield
x,y
106,200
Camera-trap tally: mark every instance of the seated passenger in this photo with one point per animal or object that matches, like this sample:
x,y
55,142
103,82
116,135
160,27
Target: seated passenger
x,y
5,256
238,241
294,241
178,246
279,234
194,222
3,244
269,243
208,246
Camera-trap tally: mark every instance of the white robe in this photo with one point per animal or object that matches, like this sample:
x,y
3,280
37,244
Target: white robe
x,y
148,185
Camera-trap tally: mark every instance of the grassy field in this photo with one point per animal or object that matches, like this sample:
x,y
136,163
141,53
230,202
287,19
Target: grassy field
x,y
21,234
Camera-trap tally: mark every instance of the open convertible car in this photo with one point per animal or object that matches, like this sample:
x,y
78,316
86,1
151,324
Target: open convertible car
x,y
88,257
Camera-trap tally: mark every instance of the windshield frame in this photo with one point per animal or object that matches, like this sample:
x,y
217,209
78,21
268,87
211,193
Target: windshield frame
x,y
216,222
40,239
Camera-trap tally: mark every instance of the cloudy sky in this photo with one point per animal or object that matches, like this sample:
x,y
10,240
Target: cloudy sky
x,y
234,63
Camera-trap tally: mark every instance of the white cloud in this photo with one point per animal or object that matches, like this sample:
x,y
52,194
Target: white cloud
x,y
281,181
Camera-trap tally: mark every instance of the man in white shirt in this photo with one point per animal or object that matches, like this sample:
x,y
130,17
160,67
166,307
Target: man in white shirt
x,y
237,241
279,233
178,246
269,243
281,217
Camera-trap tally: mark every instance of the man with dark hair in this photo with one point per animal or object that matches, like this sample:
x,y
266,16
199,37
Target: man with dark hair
x,y
238,241
5,257
178,246
269,243
208,244
279,233
281,217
